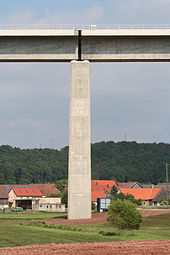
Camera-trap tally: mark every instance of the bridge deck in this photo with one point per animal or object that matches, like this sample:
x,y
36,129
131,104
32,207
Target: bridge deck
x,y
86,32
97,45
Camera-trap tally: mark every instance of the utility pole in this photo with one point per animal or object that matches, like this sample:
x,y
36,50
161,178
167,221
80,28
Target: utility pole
x,y
125,137
52,143
167,184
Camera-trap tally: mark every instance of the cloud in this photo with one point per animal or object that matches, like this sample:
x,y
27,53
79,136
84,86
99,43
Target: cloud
x,y
29,80
103,12
126,97
128,79
18,17
34,104
93,14
132,98
141,11
24,17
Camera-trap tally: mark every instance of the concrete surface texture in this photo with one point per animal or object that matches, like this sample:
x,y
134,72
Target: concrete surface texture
x,y
79,186
97,45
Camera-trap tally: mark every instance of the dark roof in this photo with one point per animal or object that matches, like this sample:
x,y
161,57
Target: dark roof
x,y
129,185
3,192
161,195
162,186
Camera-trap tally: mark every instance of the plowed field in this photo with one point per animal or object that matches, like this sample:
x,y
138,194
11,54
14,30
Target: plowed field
x,y
115,248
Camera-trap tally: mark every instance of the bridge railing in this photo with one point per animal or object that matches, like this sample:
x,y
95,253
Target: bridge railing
x,y
84,27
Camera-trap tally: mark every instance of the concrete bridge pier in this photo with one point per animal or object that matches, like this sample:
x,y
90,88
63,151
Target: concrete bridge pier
x,y
79,175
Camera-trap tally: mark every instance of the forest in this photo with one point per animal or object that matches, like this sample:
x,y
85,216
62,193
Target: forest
x,y
121,161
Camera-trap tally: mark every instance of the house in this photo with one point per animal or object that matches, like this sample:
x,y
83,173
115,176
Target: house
x,y
23,197
101,189
163,195
46,189
130,185
146,195
3,198
48,204
98,194
34,197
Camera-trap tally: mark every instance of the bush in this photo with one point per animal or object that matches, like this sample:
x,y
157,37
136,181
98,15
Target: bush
x,y
124,215
165,201
93,206
64,198
61,184
122,196
113,191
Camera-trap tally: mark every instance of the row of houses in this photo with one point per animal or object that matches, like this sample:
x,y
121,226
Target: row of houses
x,y
38,197
43,196
149,195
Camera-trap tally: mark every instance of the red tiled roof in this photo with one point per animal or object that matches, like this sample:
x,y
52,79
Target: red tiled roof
x,y
108,183
27,192
46,189
143,194
98,194
99,188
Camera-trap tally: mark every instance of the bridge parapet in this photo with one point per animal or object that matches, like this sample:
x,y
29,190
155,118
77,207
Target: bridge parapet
x,y
82,26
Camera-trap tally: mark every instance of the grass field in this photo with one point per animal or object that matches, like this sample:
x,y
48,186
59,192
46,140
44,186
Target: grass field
x,y
26,215
19,234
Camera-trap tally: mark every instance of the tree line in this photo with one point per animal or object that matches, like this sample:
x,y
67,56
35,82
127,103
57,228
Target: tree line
x,y
121,161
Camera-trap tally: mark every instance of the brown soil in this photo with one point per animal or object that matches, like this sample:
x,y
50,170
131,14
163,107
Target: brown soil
x,y
101,218
123,248
152,212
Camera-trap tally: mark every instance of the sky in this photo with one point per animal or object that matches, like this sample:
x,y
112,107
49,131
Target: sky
x,y
129,100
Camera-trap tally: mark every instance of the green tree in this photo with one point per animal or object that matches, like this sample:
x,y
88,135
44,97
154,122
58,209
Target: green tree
x,y
64,198
61,184
2,179
93,206
113,191
122,161
124,215
165,201
121,196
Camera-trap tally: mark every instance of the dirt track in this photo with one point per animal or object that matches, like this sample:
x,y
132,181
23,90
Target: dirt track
x,y
102,217
115,248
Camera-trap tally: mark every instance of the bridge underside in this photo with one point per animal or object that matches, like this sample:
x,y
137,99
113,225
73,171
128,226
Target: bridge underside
x,y
93,48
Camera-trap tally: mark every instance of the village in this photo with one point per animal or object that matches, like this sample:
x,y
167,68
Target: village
x,y
46,197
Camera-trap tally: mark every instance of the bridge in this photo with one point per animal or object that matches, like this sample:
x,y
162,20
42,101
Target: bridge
x,y
81,45
97,45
